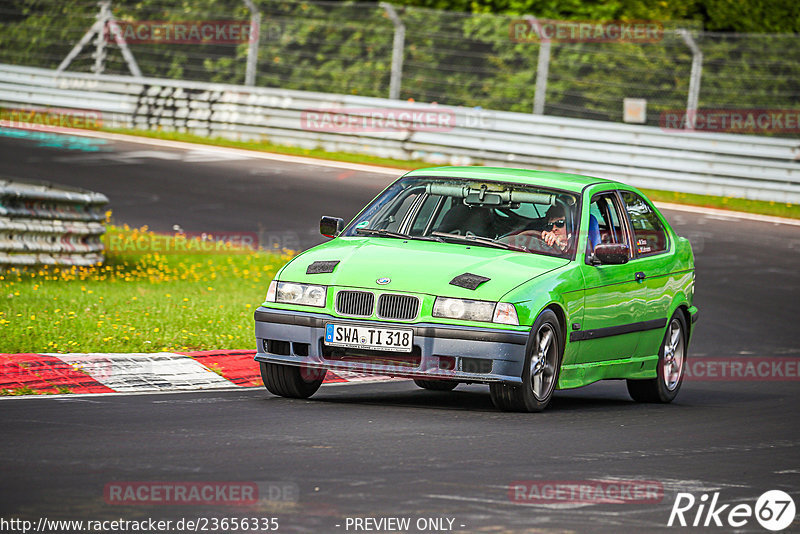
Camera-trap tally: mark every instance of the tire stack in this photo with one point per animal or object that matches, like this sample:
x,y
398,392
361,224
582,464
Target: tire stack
x,y
44,224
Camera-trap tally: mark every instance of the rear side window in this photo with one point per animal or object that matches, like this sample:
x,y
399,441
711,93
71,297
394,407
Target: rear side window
x,y
648,232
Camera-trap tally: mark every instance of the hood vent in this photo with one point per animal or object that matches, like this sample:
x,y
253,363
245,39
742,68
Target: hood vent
x,y
468,281
319,267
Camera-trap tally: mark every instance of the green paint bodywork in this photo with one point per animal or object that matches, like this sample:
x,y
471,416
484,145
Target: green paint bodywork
x,y
584,296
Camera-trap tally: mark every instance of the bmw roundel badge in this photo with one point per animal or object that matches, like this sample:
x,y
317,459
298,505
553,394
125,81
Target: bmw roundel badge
x,y
383,281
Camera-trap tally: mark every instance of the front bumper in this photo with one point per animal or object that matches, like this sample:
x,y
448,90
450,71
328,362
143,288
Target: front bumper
x,y
465,354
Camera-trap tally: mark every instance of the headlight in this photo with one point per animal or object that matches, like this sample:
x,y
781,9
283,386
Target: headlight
x,y
475,310
292,293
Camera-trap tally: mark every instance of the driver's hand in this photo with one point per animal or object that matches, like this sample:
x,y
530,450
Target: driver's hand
x,y
552,240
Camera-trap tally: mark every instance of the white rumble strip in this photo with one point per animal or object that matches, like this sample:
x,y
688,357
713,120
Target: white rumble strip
x,y
146,371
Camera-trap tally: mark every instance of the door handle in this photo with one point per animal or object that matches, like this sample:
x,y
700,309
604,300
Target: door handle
x,y
640,276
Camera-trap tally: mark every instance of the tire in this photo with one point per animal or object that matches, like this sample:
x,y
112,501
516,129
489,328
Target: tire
x,y
291,381
436,385
540,372
671,366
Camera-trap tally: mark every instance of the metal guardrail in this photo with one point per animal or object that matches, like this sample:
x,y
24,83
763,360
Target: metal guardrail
x,y
746,166
42,224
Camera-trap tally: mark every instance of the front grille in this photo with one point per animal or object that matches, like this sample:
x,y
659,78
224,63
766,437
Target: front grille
x,y
401,307
358,303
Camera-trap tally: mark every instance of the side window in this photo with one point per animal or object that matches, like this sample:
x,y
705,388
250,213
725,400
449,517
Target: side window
x,y
604,222
648,232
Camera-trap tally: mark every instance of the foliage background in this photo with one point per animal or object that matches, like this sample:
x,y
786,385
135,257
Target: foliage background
x,y
457,52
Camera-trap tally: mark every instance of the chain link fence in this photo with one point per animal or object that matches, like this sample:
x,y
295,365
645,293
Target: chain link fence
x,y
475,60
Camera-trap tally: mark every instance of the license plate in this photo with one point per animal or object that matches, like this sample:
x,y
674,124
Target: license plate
x,y
369,337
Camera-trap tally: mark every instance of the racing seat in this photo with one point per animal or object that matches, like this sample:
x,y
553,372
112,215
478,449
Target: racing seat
x,y
594,233
461,219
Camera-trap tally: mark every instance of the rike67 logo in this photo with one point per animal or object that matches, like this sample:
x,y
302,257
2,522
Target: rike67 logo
x,y
774,510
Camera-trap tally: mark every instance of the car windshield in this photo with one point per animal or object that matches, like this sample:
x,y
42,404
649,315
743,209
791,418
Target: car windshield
x,y
490,214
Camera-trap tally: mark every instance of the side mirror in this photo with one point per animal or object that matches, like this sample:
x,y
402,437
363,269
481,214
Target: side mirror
x,y
330,226
610,254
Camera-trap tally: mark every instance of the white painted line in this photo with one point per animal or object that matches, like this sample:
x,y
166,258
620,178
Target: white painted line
x,y
727,215
226,151
161,371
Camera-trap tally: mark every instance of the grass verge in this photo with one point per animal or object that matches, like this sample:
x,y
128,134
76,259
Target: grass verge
x,y
181,298
761,207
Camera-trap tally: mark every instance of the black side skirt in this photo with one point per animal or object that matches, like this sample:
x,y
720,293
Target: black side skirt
x,y
617,330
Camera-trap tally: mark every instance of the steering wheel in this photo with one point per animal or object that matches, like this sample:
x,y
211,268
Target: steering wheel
x,y
527,239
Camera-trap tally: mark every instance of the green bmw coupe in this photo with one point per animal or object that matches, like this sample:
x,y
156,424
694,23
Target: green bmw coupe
x,y
527,281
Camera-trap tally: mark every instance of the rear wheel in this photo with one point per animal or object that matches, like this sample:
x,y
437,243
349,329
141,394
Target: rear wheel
x,y
671,366
436,385
291,381
540,374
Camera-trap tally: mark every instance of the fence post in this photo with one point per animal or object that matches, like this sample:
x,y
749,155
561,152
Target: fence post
x,y
252,49
542,67
694,79
398,46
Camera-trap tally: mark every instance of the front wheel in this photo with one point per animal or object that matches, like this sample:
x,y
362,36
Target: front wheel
x,y
291,381
671,365
540,373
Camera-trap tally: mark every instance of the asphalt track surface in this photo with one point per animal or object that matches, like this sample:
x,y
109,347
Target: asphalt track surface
x,y
390,449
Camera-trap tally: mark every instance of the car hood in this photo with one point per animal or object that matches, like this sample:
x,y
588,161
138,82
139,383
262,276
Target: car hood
x,y
419,266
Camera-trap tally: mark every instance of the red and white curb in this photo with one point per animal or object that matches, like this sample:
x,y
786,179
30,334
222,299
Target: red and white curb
x,y
141,372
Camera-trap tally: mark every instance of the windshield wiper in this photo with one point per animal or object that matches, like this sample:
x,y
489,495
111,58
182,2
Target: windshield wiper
x,y
381,233
398,235
474,239
426,238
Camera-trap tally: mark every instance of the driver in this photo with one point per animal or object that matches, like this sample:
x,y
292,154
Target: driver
x,y
554,234
555,231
